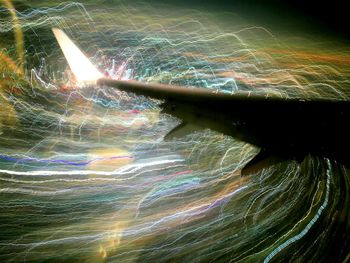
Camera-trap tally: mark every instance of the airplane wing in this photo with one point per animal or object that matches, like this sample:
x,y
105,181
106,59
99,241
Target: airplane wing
x,y
282,127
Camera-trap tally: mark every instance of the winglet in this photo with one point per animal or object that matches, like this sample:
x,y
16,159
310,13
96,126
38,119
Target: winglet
x,y
80,65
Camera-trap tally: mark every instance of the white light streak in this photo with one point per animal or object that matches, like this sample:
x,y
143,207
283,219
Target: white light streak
x,y
80,65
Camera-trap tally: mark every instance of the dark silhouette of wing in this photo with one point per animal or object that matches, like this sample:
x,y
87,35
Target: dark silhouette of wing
x,y
282,128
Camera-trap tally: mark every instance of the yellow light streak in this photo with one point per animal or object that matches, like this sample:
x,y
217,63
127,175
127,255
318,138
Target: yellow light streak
x,y
18,34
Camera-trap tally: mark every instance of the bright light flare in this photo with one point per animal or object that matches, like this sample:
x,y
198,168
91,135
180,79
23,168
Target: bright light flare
x,y
80,65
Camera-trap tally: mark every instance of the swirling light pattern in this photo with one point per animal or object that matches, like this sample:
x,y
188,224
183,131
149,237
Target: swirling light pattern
x,y
85,175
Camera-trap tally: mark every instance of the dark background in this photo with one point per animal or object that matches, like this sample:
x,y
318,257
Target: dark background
x,y
316,16
328,17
